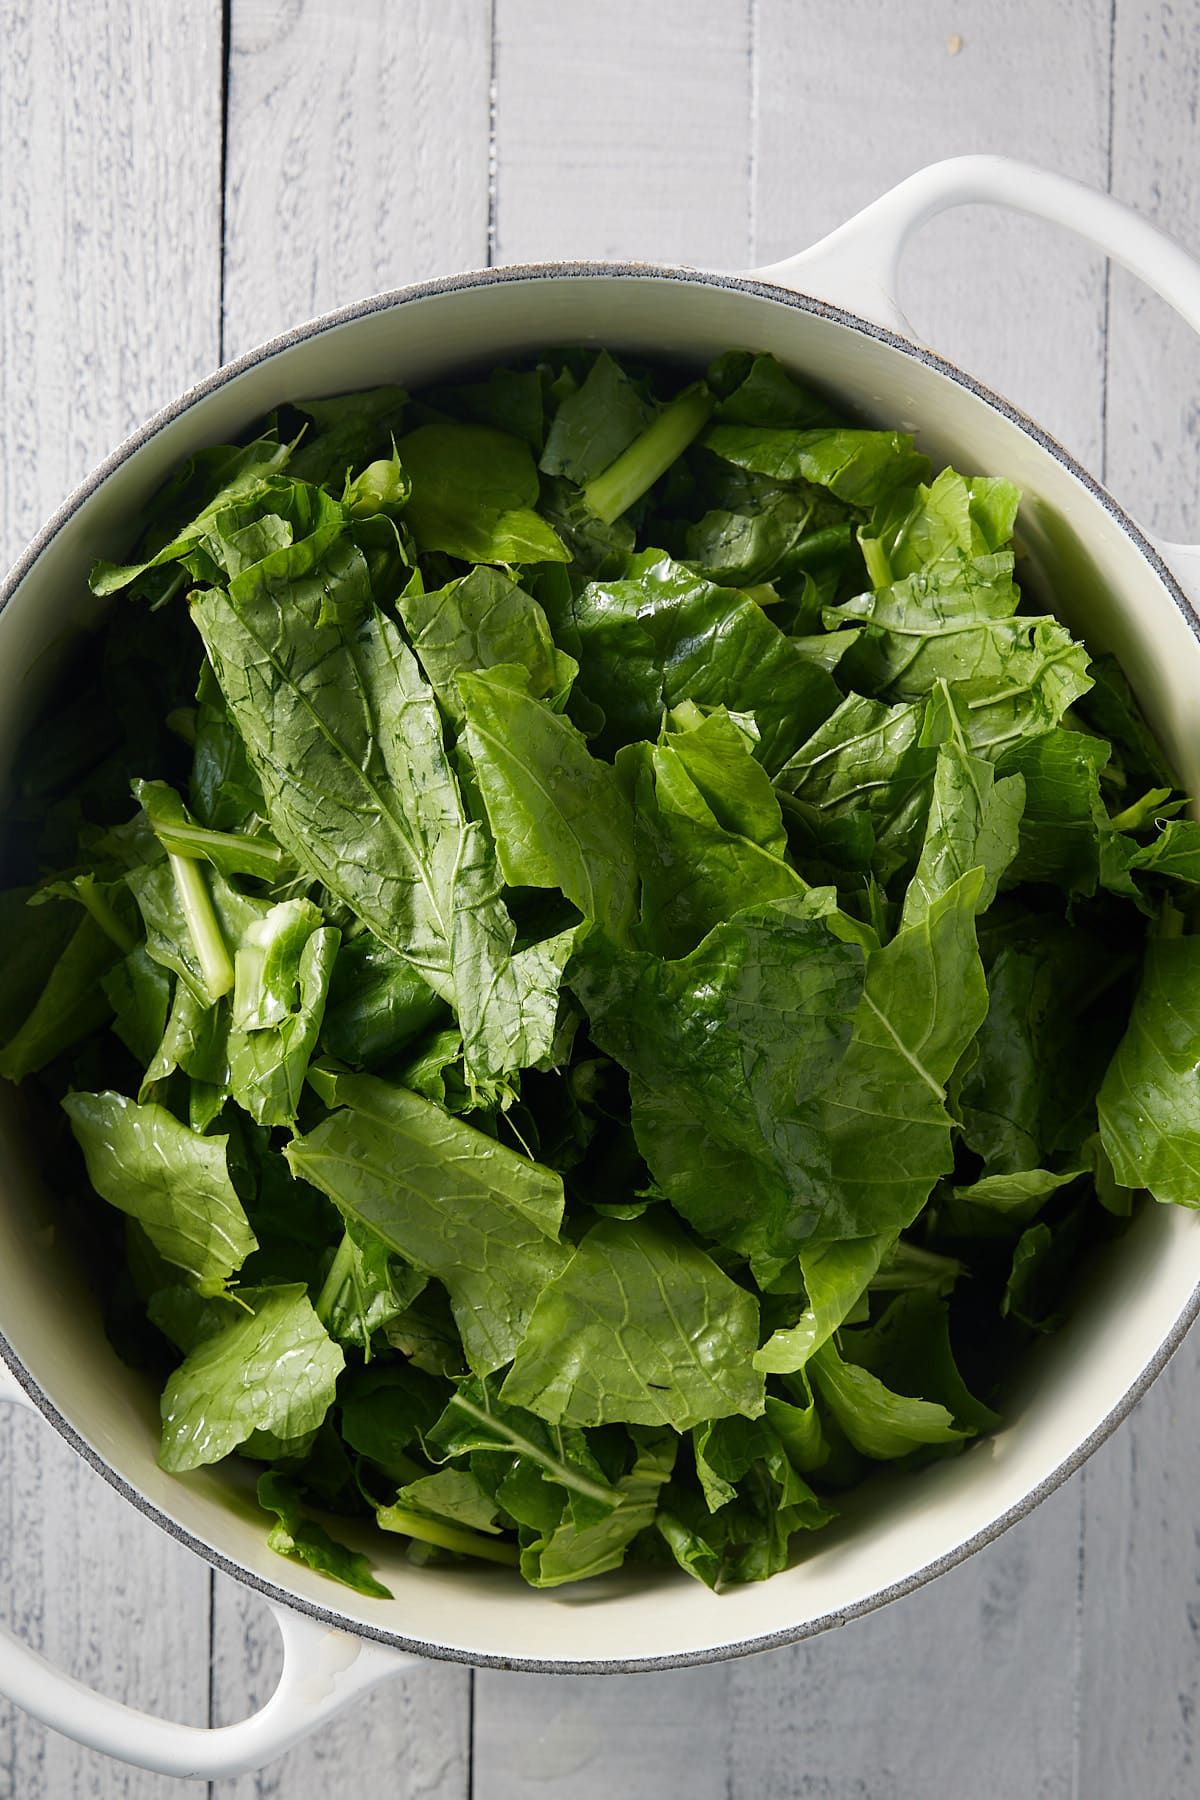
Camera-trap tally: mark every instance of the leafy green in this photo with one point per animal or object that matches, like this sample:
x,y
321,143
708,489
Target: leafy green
x,y
557,814
446,1197
304,1541
663,634
648,957
474,490
273,1368
142,1160
641,1326
1147,1101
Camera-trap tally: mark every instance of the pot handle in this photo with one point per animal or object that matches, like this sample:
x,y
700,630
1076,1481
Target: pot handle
x,y
857,265
324,1669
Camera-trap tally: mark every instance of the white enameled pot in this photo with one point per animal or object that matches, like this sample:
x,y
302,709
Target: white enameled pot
x,y
1088,559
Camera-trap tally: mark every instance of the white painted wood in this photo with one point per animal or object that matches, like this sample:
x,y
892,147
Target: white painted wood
x,y
416,1729
963,1688
644,1737
1153,439
1139,1668
624,131
853,97
109,215
357,153
109,269
103,1594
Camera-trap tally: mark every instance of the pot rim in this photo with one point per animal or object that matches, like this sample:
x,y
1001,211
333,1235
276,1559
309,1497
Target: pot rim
x,y
802,302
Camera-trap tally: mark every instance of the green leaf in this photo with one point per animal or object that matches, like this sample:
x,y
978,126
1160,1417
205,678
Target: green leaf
x,y
450,1200
387,1409
366,1288
1016,674
304,1541
973,823
867,761
757,390
227,476
282,970
940,527
708,832
910,1345
642,1327
783,1092
453,1494
855,466
476,1420
273,1368
71,1002
573,1551
142,1160
191,934
346,740
475,623
634,472
663,634
835,1276
474,491
1147,1102
595,423
1052,1027
877,1421
1017,1196
348,431
377,1003
558,815
1064,817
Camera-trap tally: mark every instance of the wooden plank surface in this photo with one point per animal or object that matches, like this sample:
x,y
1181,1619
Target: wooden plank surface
x,y
109,280
1139,1666
368,144
624,131
357,153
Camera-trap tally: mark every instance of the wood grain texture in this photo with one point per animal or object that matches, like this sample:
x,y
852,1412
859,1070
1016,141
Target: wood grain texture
x,y
357,153
644,1737
964,1688
1153,437
624,131
851,101
414,1730
1139,1728
109,233
106,1596
109,273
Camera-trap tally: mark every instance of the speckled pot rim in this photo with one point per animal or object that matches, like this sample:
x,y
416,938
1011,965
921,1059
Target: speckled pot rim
x,y
782,296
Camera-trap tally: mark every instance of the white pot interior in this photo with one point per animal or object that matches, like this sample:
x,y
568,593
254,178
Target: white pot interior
x,y
1086,565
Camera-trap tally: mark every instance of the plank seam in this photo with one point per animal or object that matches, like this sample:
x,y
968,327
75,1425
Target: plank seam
x,y
752,156
492,171
210,1788
1108,182
226,50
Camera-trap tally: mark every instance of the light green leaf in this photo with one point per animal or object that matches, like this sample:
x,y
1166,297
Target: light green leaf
x,y
1149,1124
558,815
142,1160
450,1200
642,1327
273,1368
